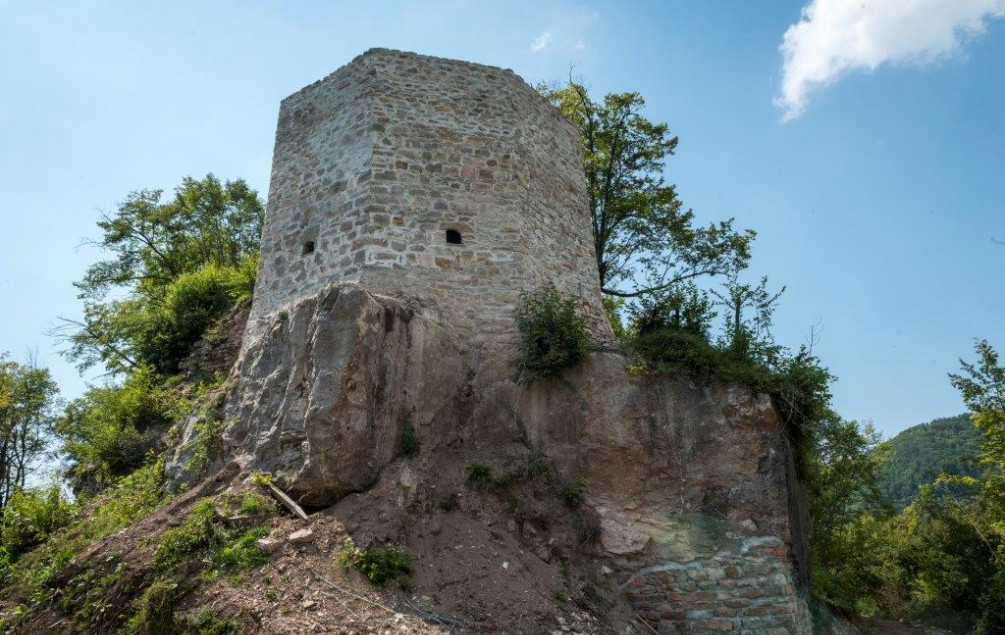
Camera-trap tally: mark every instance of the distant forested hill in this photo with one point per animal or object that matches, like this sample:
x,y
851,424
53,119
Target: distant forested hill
x,y
917,455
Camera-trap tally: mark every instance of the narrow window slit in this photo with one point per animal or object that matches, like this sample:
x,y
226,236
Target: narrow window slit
x,y
453,237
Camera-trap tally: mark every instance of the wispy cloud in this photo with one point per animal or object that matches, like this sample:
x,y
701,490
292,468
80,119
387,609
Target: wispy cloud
x,y
541,42
837,37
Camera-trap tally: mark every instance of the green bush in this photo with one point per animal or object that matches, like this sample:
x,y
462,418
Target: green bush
x,y
130,499
206,623
191,304
383,566
108,432
992,606
30,516
553,333
380,566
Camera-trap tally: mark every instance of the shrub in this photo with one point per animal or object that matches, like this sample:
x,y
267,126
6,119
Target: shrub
x,y
450,502
380,566
191,304
385,565
30,516
108,432
992,606
129,500
552,333
206,623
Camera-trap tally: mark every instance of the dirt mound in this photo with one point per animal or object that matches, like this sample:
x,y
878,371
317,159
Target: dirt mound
x,y
481,560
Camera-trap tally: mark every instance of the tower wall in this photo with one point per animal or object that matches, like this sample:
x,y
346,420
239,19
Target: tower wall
x,y
373,165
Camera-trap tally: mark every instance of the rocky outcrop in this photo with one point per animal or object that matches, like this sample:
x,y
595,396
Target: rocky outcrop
x,y
690,490
323,398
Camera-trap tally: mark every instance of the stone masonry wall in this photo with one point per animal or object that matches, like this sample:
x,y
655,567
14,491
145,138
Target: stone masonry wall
x,y
750,591
374,163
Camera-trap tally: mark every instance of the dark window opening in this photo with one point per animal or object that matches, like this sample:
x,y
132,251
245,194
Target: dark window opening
x,y
308,247
453,237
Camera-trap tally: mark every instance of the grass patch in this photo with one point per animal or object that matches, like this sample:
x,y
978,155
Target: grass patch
x,y
205,622
154,610
28,576
204,539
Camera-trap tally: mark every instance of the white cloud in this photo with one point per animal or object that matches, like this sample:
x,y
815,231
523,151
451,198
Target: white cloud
x,y
580,45
541,42
836,37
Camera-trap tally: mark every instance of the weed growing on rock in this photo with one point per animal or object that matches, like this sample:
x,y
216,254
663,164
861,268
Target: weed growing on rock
x,y
574,493
410,444
262,479
480,475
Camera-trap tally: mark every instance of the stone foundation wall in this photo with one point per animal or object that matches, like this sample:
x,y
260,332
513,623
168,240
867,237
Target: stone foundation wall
x,y
373,165
751,591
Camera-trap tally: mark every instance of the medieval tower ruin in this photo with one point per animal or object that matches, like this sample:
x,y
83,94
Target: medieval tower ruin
x,y
451,184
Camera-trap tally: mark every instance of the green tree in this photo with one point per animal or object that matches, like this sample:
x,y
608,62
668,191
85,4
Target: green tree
x,y
27,401
641,230
748,336
109,431
205,238
982,385
845,503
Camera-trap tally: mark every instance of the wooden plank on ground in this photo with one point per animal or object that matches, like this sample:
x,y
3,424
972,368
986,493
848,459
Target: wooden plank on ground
x,y
288,502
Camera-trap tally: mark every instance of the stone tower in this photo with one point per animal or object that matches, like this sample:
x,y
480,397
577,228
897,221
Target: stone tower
x,y
450,184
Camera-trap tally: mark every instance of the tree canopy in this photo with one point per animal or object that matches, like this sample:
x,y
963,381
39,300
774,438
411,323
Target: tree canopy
x,y
645,241
27,401
175,266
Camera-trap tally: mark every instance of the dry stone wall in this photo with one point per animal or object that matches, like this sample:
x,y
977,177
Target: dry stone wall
x,y
376,162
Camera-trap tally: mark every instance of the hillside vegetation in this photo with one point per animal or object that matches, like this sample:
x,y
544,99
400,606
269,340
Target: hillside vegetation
x,y
917,456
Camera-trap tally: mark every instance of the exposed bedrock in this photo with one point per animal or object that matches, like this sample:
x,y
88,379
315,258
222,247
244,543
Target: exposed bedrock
x,y
682,478
324,395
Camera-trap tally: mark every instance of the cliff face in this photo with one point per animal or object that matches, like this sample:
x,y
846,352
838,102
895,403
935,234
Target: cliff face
x,y
684,497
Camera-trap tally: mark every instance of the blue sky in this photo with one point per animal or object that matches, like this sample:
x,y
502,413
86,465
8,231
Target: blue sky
x,y
875,202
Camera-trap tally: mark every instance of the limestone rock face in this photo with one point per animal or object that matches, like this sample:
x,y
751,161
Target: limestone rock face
x,y
323,396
